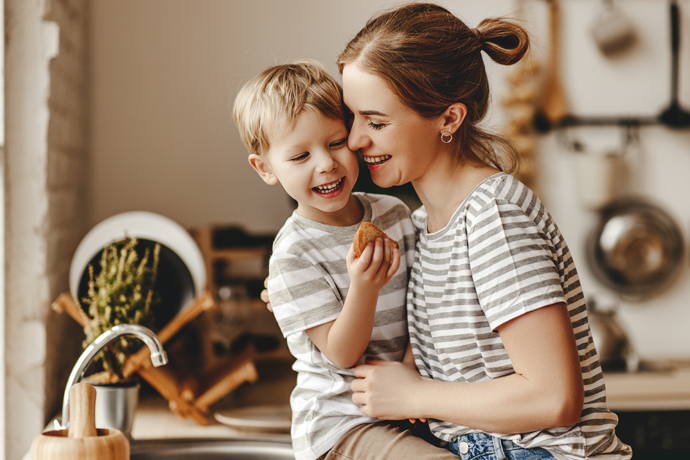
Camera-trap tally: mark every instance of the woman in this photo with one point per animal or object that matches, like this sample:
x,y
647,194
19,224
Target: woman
x,y
505,362
496,315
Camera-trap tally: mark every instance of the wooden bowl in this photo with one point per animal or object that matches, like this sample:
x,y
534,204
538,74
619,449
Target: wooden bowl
x,y
56,444
82,440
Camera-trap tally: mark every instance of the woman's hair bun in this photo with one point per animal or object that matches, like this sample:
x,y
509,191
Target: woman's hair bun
x,y
504,41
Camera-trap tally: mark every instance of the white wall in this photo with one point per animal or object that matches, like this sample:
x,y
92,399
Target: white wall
x,y
44,159
164,73
635,83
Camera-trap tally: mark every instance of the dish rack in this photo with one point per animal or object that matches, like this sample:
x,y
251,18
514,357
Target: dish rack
x,y
189,396
193,380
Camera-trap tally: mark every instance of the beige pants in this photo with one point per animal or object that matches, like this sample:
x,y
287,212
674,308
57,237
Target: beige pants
x,y
389,440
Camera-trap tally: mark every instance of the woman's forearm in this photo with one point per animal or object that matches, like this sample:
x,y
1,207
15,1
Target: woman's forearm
x,y
545,391
511,404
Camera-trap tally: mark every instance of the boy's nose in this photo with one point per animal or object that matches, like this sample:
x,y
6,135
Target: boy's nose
x,y
326,163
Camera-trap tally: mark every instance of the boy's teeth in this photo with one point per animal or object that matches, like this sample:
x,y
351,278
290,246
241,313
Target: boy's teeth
x,y
376,160
329,188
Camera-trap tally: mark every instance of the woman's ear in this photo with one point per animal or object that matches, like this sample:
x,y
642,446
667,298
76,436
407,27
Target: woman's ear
x,y
263,168
453,117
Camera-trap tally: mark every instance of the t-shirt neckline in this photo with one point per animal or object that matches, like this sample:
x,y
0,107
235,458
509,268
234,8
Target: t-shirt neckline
x,y
439,233
367,216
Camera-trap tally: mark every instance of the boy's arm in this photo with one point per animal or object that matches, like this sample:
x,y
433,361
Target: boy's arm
x,y
345,339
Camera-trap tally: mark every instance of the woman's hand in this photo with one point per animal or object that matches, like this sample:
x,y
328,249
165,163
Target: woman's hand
x,y
387,390
264,295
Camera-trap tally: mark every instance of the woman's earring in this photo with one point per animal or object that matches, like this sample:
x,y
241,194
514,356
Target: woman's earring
x,y
446,137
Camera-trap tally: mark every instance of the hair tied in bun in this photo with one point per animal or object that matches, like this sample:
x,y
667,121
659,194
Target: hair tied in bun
x,y
477,33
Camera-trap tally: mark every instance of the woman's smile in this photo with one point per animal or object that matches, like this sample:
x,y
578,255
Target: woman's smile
x,y
373,162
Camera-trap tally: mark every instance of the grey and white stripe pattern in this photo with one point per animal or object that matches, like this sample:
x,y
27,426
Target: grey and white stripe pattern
x,y
501,256
308,283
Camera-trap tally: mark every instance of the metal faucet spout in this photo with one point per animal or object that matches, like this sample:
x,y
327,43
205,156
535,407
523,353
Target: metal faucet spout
x,y
158,356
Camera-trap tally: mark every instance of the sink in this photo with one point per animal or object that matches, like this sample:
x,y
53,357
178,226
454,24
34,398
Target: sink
x,y
211,449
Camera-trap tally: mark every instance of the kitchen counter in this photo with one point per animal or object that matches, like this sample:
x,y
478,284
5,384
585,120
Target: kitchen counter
x,y
640,391
666,389
653,410
155,421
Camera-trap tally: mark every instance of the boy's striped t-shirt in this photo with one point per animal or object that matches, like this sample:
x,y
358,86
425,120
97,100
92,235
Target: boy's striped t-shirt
x,y
307,285
501,256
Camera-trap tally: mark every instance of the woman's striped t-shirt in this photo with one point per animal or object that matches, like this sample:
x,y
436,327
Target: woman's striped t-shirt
x,y
307,286
501,256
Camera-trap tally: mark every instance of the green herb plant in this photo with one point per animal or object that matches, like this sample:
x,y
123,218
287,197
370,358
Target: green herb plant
x,y
122,293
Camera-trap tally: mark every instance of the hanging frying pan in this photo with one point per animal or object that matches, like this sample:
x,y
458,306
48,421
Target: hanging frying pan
x,y
636,249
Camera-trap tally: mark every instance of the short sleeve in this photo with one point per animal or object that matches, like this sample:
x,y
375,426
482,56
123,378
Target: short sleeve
x,y
512,261
302,294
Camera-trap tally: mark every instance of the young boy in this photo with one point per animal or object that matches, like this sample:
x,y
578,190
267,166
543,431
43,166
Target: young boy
x,y
335,310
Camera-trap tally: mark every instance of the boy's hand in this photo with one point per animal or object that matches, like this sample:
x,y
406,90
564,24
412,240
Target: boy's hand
x,y
375,267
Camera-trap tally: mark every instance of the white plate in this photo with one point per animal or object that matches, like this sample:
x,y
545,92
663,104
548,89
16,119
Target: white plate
x,y
263,418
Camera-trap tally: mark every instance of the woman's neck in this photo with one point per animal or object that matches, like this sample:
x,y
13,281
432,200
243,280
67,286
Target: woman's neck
x,y
444,188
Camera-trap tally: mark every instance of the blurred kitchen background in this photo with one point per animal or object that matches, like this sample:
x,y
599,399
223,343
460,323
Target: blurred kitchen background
x,y
122,105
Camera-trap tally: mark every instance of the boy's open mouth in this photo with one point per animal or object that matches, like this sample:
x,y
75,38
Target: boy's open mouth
x,y
329,188
376,160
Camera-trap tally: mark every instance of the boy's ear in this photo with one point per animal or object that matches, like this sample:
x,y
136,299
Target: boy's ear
x,y
453,117
263,168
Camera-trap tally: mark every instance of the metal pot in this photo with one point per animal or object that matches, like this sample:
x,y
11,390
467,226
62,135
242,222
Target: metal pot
x,y
615,350
116,406
636,249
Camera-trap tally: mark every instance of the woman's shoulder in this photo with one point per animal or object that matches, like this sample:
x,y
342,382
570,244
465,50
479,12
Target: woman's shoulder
x,y
502,188
505,198
497,184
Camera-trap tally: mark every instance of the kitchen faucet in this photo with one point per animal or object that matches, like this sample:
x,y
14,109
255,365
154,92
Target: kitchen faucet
x,y
158,356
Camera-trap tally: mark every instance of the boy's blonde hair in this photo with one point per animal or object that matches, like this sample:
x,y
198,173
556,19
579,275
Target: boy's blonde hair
x,y
271,102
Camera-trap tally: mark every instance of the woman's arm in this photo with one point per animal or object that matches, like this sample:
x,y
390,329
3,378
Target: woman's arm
x,y
408,357
545,391
344,340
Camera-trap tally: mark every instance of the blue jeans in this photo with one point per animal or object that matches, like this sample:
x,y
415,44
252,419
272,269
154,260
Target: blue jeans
x,y
476,446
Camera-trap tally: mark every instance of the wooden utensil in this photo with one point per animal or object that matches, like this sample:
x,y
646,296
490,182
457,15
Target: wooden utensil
x,y
81,441
554,105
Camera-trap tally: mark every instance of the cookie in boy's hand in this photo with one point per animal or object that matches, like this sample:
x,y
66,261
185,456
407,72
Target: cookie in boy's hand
x,y
367,233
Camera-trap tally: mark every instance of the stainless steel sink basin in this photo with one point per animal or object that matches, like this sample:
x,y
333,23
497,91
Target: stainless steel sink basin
x,y
211,449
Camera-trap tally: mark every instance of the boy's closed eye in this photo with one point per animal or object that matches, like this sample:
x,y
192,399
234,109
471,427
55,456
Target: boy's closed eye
x,y
300,157
339,143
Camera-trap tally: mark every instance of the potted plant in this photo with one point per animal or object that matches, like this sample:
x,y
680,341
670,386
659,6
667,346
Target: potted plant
x,y
122,292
